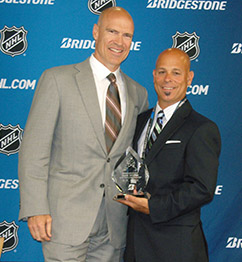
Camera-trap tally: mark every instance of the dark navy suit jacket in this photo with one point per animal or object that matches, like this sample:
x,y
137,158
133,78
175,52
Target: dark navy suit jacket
x,y
183,165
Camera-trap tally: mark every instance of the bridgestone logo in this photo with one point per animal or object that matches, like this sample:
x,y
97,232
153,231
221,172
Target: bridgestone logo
x,y
188,4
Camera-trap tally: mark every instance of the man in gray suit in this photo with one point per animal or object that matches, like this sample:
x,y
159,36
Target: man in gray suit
x,y
64,165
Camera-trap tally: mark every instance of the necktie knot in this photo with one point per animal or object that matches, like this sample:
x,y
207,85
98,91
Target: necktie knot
x,y
160,116
156,131
111,77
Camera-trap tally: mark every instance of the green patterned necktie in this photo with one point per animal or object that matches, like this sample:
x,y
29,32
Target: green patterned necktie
x,y
157,129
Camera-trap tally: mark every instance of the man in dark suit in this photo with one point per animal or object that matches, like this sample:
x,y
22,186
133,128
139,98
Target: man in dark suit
x,y
67,158
182,161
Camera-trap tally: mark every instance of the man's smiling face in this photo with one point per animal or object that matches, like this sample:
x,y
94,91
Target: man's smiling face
x,y
172,76
113,36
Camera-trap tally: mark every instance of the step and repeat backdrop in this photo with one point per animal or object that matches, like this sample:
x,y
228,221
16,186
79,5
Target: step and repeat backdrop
x,y
39,34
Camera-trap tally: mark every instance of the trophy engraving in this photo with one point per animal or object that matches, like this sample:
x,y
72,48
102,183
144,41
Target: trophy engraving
x,y
130,173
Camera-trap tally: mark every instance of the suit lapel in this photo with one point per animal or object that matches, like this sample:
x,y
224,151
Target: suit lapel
x,y
171,127
88,92
141,123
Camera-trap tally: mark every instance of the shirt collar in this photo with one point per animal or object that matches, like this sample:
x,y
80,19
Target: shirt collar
x,y
100,71
168,111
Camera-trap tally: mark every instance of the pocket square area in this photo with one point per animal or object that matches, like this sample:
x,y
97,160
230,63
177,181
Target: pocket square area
x,y
173,141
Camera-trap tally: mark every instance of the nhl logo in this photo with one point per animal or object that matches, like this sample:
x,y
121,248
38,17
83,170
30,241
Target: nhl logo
x,y
188,43
9,232
13,40
97,6
10,139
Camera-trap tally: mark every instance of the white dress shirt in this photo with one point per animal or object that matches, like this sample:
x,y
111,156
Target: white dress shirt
x,y
168,112
100,73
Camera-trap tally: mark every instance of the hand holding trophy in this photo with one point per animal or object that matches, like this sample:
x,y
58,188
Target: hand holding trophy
x,y
130,175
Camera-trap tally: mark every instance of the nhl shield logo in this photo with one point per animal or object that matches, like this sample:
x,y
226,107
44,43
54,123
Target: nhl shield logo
x,y
10,139
188,43
9,232
13,40
97,6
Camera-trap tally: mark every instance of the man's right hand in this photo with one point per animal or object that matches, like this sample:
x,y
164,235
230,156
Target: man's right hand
x,y
40,227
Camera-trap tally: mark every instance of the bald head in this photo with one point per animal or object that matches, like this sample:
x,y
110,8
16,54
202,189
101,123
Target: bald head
x,y
179,54
114,11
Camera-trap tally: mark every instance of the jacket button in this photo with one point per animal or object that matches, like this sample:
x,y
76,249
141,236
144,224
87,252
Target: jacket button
x,y
102,185
108,160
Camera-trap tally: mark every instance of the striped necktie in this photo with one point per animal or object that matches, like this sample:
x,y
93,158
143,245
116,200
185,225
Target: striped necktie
x,y
157,129
113,113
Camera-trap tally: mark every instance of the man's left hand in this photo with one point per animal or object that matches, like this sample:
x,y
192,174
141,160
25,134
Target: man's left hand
x,y
139,204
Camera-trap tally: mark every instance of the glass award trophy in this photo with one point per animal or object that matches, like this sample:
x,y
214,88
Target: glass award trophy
x,y
130,173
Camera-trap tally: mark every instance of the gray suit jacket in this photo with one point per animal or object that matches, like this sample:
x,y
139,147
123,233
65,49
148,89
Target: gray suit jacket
x,y
64,167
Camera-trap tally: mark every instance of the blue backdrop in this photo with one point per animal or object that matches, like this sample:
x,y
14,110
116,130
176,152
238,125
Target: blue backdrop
x,y
39,34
